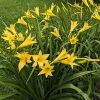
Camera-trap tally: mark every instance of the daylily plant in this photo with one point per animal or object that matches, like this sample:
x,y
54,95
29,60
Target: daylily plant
x,y
52,53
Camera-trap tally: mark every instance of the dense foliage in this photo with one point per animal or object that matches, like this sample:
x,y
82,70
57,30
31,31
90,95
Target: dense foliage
x,y
52,54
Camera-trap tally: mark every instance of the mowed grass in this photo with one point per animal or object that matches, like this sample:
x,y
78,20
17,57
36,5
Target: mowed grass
x,y
11,10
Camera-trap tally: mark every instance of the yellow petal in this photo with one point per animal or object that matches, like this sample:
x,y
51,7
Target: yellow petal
x,y
56,33
73,25
47,70
20,37
40,59
21,65
70,60
34,64
85,2
96,16
24,58
85,27
91,2
29,15
52,6
61,56
8,36
12,45
28,41
73,40
36,10
12,29
21,21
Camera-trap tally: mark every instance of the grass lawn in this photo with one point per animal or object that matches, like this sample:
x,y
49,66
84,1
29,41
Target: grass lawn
x,y
11,10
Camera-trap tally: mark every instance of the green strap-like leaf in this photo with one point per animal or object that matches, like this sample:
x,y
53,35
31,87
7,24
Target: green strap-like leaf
x,y
30,74
63,95
6,95
71,86
77,89
66,99
76,75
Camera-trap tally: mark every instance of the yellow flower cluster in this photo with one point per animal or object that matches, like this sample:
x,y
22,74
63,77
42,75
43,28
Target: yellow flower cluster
x,y
18,41
44,64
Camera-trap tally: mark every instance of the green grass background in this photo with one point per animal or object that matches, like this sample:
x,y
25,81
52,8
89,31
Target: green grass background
x,y
11,10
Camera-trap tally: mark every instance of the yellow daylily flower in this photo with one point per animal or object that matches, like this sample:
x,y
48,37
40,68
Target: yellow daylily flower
x,y
28,41
12,45
70,60
24,58
28,14
47,69
91,2
77,5
20,37
57,9
36,10
85,27
85,2
73,40
45,26
8,36
61,56
73,25
56,33
12,29
98,8
39,59
22,21
48,14
96,15
47,17
52,6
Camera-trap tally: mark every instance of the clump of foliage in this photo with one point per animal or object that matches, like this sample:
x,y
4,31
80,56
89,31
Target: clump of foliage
x,y
52,54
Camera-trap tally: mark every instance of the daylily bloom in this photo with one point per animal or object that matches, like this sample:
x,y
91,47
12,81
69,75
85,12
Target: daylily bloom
x,y
91,2
30,27
39,59
57,9
70,60
8,36
20,37
12,45
85,27
73,25
21,21
56,33
28,41
96,15
45,26
73,40
48,14
36,10
98,8
61,56
47,69
77,5
24,58
85,2
12,28
28,14
52,6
